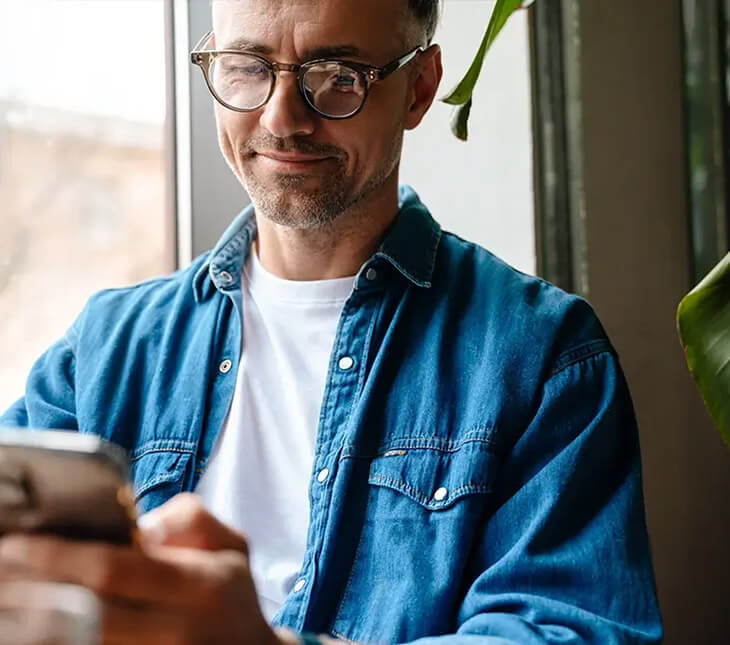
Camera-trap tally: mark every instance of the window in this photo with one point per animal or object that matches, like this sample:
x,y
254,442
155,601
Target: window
x,y
82,165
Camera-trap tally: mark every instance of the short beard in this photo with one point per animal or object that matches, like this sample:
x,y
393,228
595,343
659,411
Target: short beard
x,y
290,204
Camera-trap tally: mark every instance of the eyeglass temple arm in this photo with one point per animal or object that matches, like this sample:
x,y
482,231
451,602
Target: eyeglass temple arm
x,y
390,68
201,42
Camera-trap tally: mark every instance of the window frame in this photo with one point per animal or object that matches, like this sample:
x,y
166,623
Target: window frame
x,y
207,196
706,31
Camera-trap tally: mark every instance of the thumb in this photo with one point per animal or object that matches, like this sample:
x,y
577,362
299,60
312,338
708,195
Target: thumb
x,y
183,521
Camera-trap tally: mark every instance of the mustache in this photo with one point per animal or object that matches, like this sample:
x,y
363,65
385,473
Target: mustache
x,y
291,144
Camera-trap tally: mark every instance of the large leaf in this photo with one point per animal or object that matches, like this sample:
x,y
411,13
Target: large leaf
x,y
703,319
461,95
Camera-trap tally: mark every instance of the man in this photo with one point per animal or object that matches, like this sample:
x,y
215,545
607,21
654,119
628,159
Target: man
x,y
418,441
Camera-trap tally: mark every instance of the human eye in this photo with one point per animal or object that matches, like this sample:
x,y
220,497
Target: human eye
x,y
255,68
244,69
344,81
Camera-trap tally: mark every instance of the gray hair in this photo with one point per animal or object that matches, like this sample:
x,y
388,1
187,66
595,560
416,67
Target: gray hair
x,y
427,12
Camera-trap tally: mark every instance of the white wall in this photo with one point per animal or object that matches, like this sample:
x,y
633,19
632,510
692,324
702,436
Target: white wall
x,y
481,189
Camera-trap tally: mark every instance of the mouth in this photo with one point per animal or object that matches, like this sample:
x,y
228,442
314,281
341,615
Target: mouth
x,y
291,162
292,157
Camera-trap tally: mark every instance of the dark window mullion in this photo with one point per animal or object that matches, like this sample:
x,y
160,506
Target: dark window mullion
x,y
560,216
706,101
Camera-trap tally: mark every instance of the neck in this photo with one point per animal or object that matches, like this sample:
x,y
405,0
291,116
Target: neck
x,y
335,251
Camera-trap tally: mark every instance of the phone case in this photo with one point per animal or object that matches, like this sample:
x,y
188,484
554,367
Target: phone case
x,y
66,483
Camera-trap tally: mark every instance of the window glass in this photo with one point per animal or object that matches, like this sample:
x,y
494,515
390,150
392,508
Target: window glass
x,y
82,164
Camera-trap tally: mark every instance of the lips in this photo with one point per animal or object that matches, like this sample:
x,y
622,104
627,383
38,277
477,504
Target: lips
x,y
293,163
288,157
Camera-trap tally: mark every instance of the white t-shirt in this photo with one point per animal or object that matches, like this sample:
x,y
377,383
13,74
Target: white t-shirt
x,y
259,474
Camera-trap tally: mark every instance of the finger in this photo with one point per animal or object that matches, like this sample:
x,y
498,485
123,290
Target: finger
x,y
171,576
183,521
35,613
122,624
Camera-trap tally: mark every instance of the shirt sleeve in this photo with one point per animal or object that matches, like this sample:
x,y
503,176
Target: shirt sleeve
x,y
49,400
564,554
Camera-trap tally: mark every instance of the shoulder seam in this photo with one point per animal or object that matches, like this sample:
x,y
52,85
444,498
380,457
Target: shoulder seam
x,y
581,353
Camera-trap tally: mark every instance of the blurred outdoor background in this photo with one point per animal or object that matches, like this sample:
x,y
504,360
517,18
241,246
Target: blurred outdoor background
x,y
82,164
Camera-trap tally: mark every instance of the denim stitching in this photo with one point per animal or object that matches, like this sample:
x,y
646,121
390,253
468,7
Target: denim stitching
x,y
407,274
580,354
160,479
421,497
364,357
162,445
436,232
439,444
349,580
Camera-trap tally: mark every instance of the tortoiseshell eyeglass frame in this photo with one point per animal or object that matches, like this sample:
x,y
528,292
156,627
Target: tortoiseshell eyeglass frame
x,y
368,74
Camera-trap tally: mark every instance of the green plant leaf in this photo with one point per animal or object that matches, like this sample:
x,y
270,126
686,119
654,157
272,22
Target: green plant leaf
x,y
703,319
460,120
463,91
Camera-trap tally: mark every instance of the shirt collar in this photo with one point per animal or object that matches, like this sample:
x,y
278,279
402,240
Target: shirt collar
x,y
410,245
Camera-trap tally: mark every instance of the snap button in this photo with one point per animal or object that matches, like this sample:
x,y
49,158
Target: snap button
x,y
371,274
440,494
225,277
346,363
225,366
299,585
323,474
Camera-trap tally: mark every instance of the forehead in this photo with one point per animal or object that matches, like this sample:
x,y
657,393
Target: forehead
x,y
296,27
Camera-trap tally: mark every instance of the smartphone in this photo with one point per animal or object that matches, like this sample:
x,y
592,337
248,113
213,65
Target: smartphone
x,y
66,483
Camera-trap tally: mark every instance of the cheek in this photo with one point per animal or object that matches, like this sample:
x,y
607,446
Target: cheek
x,y
380,131
234,129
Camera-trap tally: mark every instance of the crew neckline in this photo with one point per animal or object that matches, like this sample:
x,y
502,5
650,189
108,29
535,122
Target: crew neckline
x,y
263,284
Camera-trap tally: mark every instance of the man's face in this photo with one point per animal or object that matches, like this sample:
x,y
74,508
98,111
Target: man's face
x,y
340,163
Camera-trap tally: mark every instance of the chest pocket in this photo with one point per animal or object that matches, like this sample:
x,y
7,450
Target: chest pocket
x,y
436,479
424,509
157,476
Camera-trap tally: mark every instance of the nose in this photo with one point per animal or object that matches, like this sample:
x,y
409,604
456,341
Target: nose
x,y
286,113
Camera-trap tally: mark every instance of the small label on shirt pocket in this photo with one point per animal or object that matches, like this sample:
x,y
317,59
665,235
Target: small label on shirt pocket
x,y
436,476
157,476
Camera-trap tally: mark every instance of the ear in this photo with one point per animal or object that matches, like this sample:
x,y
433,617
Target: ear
x,y
424,86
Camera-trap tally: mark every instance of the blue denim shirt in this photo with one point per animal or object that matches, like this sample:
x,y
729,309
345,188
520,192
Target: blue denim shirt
x,y
485,475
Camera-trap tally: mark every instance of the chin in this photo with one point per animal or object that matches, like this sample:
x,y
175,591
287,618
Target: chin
x,y
297,209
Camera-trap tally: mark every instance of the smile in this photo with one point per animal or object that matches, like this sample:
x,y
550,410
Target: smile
x,y
291,157
289,162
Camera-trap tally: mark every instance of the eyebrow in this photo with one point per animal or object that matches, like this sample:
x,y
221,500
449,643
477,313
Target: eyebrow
x,y
336,51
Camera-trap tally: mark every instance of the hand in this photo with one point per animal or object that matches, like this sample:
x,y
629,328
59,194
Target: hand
x,y
188,581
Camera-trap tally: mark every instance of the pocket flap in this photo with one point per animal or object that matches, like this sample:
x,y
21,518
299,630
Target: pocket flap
x,y
156,469
435,477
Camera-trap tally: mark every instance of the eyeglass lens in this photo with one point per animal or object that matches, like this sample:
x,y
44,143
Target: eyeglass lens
x,y
245,82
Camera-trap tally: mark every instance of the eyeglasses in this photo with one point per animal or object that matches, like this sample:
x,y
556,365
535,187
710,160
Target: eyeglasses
x,y
334,89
